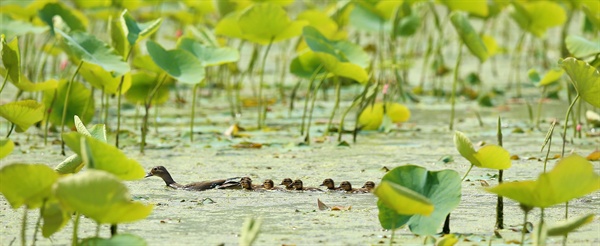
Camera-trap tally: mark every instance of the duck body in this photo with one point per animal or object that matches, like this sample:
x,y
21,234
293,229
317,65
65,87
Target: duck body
x,y
330,185
161,171
298,185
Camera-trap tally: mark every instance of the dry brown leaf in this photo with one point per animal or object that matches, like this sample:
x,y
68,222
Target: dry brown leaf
x,y
484,183
247,145
322,205
340,208
514,157
594,156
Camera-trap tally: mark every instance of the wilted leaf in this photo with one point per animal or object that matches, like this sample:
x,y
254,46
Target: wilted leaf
x,y
594,156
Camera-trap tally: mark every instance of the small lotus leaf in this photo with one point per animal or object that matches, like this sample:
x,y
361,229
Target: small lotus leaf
x,y
447,240
572,177
465,147
537,16
585,78
136,31
97,131
25,84
306,64
553,75
11,58
80,103
105,156
372,116
22,113
28,184
469,36
228,25
494,157
403,200
142,85
103,80
581,47
71,164
321,21
209,56
490,44
178,63
55,218
442,188
476,7
367,18
100,196
408,25
267,22
119,239
565,227
343,69
6,147
14,28
83,46
72,17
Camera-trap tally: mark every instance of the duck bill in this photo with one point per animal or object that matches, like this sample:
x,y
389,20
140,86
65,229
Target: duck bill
x,y
149,174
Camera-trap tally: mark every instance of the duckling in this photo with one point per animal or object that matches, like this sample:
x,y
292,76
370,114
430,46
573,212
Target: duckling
x,y
330,185
161,171
246,184
288,183
369,185
268,184
298,186
347,187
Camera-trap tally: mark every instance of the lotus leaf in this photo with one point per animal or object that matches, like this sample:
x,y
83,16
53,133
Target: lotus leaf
x,y
585,78
23,113
178,63
28,184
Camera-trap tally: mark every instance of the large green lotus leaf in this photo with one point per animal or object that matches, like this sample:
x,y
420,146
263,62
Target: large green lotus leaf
x,y
563,228
469,36
145,63
268,22
86,47
409,25
100,196
371,117
476,7
343,69
208,55
28,184
442,188
367,18
14,28
321,22
585,78
26,85
572,177
544,14
353,53
319,43
105,156
551,76
228,25
55,218
494,157
142,85
581,47
137,31
119,239
80,103
403,200
6,147
465,147
72,17
306,64
387,9
103,80
11,58
178,63
23,113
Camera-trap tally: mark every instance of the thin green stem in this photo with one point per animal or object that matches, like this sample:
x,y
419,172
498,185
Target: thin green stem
x,y
12,127
5,80
564,134
467,173
454,85
119,92
37,223
47,121
392,237
539,113
147,105
313,77
524,229
312,107
194,90
24,226
354,103
336,104
74,240
261,107
65,106
500,199
517,62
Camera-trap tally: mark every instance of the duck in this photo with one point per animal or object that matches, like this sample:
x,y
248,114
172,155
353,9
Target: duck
x,y
347,187
161,172
268,184
369,186
288,183
246,184
299,186
330,185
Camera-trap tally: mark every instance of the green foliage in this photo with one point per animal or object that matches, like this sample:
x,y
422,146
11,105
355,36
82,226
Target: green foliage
x,y
371,117
137,31
442,188
6,147
101,79
72,17
565,227
475,7
581,47
250,231
55,218
119,239
178,63
14,28
585,78
11,58
403,200
74,163
22,113
142,84
27,184
83,46
105,156
209,55
100,196
572,177
268,22
537,16
468,35
489,156
80,103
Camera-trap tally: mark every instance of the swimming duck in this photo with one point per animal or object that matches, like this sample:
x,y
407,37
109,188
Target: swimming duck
x,y
347,187
369,185
288,183
298,186
268,184
330,185
161,171
246,184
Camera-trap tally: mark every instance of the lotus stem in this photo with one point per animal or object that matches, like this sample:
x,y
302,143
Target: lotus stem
x,y
454,85
147,105
193,112
113,229
336,104
392,237
74,240
524,229
564,134
119,92
313,77
65,106
37,223
5,80
539,113
500,199
24,226
12,127
47,122
261,107
312,107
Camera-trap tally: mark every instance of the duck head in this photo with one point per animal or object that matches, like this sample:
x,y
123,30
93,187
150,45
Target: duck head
x,y
161,172
346,186
268,184
246,183
298,184
287,182
369,185
329,184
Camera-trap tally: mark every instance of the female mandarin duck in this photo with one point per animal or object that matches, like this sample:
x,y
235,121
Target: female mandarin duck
x,y
298,186
162,172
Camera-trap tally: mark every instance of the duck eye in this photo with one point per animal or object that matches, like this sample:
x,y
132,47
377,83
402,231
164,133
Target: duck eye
x,y
155,169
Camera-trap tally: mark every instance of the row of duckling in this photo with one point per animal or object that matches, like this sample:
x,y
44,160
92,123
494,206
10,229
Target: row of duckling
x,y
246,184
